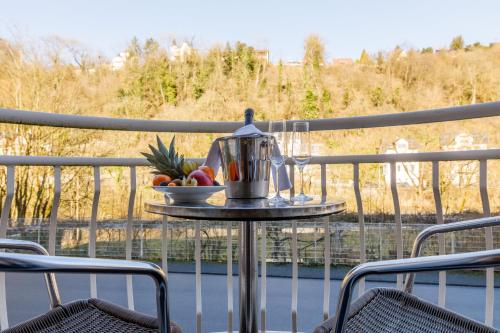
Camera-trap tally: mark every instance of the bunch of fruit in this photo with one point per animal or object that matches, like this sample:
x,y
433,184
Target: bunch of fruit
x,y
170,169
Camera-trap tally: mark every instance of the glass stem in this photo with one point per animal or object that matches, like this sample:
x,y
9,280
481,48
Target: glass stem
x,y
301,180
278,182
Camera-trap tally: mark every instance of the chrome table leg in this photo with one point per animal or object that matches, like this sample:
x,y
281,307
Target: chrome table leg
x,y
248,277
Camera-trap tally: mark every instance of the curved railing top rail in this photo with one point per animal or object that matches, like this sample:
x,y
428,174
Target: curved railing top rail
x,y
105,123
465,155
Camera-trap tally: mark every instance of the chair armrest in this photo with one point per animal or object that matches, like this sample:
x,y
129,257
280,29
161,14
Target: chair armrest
x,y
14,262
14,244
445,228
50,279
482,259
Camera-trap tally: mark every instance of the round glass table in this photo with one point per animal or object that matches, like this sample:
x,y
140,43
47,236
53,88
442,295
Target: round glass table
x,y
247,211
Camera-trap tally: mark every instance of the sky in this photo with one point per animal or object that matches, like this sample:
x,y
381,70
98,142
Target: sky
x,y
346,27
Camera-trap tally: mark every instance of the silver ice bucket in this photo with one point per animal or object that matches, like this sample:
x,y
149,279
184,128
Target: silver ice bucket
x,y
246,165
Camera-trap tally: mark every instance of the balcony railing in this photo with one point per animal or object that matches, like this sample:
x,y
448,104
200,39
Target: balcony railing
x,y
399,119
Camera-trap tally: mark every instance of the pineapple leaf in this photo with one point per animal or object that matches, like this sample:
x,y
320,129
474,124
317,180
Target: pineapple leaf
x,y
161,146
165,160
158,155
172,148
152,161
148,156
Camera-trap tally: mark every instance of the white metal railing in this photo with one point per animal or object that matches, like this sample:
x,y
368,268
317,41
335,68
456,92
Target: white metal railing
x,y
97,163
393,119
58,163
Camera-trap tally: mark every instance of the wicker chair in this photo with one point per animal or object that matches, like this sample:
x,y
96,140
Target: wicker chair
x,y
390,310
85,316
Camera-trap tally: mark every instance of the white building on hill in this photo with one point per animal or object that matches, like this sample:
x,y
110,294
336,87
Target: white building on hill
x,y
119,61
17,145
464,173
342,61
407,173
180,53
293,64
262,54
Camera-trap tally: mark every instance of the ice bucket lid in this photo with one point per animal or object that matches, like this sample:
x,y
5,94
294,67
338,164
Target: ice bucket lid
x,y
245,136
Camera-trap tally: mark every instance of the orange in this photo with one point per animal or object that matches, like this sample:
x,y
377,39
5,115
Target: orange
x,y
172,184
208,170
158,179
234,174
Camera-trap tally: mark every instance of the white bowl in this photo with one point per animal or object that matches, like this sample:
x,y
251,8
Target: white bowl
x,y
183,194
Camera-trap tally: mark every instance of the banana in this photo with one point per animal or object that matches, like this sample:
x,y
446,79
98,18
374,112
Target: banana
x,y
189,166
189,182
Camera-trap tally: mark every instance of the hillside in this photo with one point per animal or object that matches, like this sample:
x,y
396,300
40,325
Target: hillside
x,y
58,76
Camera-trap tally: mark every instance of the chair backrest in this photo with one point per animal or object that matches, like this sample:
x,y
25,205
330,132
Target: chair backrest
x,y
485,222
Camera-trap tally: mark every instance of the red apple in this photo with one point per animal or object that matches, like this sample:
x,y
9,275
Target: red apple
x,y
201,177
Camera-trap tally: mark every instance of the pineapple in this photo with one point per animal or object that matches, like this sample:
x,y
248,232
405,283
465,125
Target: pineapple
x,y
166,161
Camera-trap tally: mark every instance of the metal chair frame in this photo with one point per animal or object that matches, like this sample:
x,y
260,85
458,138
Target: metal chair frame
x,y
474,260
43,263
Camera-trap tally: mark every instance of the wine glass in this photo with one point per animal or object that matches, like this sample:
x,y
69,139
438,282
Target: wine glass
x,y
278,131
301,154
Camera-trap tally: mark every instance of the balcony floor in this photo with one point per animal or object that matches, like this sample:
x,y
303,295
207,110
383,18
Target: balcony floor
x,y
26,297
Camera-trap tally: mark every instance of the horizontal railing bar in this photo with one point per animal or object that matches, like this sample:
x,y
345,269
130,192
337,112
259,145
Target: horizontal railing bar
x,y
77,161
408,118
105,123
340,159
410,157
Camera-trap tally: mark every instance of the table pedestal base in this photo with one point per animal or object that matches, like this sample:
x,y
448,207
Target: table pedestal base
x,y
262,332
247,210
248,277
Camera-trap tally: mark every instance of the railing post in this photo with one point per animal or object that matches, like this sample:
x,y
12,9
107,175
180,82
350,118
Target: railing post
x,y
4,224
361,222
326,281
490,272
7,204
229,254
324,192
398,233
54,210
440,220
326,275
129,234
164,245
93,228
263,276
295,273
197,259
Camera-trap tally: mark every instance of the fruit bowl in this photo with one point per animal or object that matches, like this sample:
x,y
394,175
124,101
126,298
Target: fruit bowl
x,y
186,194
